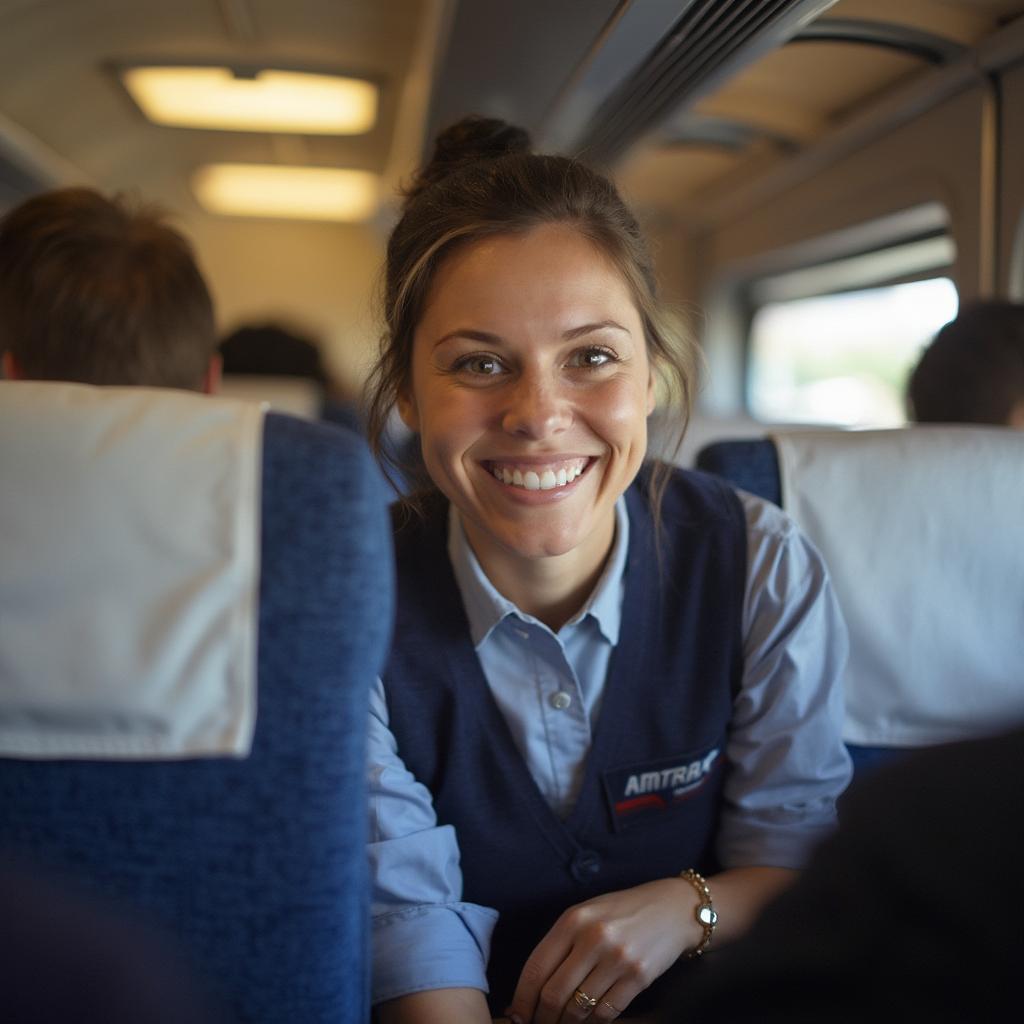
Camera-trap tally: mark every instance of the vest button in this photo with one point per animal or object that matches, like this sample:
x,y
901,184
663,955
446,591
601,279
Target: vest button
x,y
561,700
585,866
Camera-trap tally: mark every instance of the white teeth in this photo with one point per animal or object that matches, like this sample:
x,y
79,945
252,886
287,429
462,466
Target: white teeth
x,y
545,480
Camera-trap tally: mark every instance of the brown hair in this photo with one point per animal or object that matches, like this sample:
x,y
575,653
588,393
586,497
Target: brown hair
x,y
484,181
98,291
973,372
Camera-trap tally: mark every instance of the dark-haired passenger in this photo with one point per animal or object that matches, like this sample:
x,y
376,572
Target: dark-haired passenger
x,y
973,372
101,291
285,368
271,350
609,730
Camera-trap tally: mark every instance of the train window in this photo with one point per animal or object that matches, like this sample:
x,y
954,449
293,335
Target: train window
x,y
824,355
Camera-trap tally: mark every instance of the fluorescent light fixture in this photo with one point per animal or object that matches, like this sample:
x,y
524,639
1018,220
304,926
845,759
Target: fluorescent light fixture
x,y
273,190
270,101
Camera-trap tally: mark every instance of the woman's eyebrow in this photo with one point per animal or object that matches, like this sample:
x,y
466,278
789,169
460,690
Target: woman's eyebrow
x,y
484,337
487,338
578,332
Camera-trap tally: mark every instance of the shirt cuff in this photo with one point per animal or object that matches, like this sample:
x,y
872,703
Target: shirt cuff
x,y
426,947
766,839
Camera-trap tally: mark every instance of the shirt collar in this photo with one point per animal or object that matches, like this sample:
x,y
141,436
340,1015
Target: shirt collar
x,y
486,608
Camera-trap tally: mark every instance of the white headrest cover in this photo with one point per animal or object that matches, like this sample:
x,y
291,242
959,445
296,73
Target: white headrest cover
x,y
129,594
297,396
922,532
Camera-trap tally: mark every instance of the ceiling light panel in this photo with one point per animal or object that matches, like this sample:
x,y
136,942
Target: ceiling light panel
x,y
269,101
299,193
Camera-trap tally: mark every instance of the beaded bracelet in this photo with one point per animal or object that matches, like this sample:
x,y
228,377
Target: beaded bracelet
x,y
705,913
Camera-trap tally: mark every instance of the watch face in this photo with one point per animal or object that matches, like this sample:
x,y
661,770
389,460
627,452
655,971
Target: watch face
x,y
706,915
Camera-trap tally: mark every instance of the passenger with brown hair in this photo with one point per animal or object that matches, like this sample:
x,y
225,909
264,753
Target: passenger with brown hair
x,y
973,372
608,731
102,291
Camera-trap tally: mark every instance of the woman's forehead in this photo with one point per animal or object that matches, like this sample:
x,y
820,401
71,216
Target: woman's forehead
x,y
552,269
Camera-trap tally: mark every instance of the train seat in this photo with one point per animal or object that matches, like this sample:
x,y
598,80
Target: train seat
x,y
920,528
196,598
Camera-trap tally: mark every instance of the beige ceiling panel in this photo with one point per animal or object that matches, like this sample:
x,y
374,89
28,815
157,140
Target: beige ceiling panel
x,y
965,21
341,31
770,114
820,81
663,178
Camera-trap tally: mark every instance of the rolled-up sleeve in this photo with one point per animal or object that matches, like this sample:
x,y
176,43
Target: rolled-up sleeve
x,y
787,761
423,935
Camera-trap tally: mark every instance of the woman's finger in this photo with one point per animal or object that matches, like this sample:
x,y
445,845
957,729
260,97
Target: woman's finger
x,y
613,1003
602,996
622,940
585,998
534,1001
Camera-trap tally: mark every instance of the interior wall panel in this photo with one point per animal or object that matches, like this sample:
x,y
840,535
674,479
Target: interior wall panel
x,y
934,157
1011,184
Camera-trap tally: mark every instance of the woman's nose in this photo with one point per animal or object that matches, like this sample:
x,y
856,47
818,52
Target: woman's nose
x,y
536,409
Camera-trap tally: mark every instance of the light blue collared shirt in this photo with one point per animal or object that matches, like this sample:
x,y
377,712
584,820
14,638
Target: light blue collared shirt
x,y
787,762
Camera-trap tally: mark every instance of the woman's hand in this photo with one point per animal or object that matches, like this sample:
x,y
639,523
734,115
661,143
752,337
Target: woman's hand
x,y
612,947
607,949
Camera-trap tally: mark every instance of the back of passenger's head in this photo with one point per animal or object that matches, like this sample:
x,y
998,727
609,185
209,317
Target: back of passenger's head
x,y
271,350
482,181
973,372
102,291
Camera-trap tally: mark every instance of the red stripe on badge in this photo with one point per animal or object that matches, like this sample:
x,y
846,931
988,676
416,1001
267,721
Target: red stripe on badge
x,y
650,800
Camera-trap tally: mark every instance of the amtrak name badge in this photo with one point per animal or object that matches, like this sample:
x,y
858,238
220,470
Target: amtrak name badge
x,y
640,792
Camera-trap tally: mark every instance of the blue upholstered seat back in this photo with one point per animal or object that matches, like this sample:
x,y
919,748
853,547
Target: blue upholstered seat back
x,y
257,865
752,465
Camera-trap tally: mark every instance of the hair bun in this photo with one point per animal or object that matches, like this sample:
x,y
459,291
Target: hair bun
x,y
467,142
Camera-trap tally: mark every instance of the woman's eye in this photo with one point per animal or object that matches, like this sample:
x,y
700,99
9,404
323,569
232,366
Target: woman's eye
x,y
592,358
481,365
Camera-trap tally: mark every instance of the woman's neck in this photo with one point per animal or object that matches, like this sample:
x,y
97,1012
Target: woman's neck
x,y
551,589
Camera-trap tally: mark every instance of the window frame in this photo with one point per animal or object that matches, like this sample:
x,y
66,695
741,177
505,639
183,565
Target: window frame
x,y
914,244
929,255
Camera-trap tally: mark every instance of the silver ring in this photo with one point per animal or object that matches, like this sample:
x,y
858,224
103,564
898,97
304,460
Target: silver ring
x,y
583,1001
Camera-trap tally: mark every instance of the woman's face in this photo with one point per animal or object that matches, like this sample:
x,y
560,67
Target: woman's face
x,y
530,391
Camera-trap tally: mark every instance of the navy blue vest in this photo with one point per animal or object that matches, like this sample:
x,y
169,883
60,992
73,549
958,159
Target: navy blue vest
x,y
648,807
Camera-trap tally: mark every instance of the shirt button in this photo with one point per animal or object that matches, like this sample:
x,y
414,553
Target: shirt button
x,y
585,866
561,700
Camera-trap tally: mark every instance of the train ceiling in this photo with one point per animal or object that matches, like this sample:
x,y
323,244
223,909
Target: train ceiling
x,y
684,98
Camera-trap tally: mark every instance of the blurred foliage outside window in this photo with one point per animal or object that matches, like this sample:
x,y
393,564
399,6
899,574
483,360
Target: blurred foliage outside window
x,y
844,359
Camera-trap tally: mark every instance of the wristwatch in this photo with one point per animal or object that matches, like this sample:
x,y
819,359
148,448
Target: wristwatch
x,y
705,913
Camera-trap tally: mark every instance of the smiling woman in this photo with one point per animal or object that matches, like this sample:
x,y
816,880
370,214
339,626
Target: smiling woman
x,y
530,391
619,673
